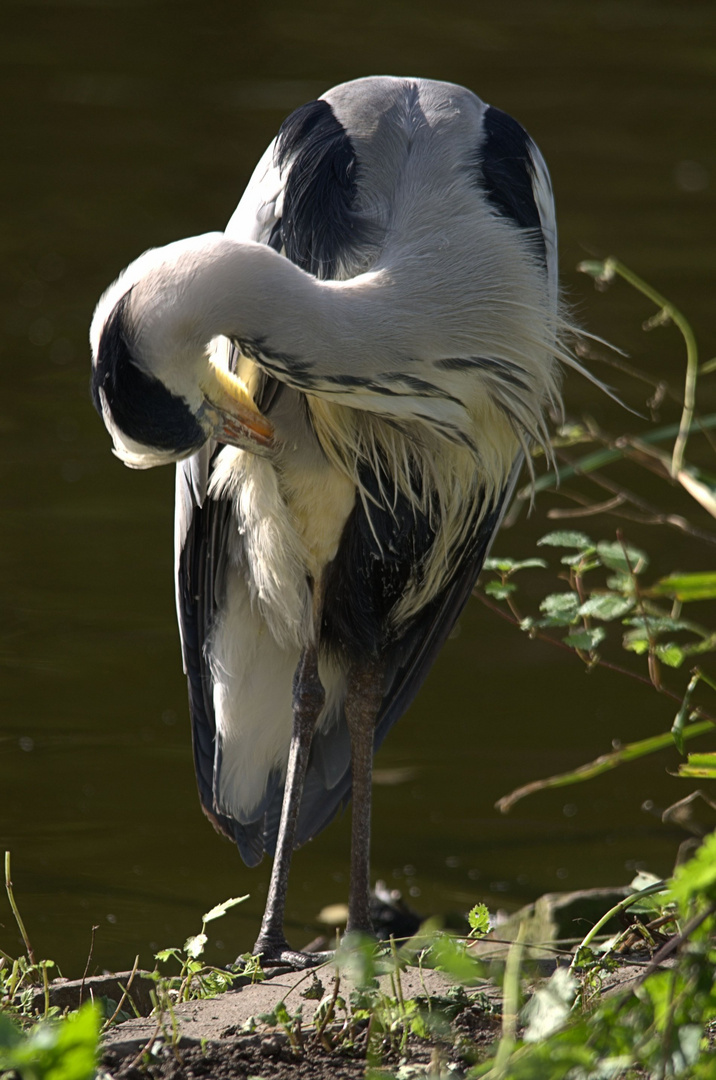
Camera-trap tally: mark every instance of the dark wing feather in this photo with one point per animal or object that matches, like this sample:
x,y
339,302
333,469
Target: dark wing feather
x,y
201,568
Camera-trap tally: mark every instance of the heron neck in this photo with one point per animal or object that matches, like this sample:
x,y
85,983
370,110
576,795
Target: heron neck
x,y
250,293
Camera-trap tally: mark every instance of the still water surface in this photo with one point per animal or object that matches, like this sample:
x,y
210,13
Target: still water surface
x,y
130,124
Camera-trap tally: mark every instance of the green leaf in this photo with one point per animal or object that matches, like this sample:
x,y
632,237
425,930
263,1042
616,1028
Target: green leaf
x,y
221,909
164,954
621,583
670,654
561,609
567,539
9,1034
636,644
652,625
622,557
699,766
500,564
698,875
194,946
586,639
606,606
57,1050
282,1014
420,1028
578,559
505,565
449,955
686,587
479,920
499,590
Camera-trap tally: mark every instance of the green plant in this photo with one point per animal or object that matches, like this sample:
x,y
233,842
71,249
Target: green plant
x,y
197,979
21,977
660,1025
55,1049
605,600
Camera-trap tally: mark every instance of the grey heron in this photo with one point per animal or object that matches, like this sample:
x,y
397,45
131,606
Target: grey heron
x,y
349,378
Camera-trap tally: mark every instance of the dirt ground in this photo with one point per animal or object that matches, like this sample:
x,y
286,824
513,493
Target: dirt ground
x,y
228,1037
213,1038
268,1053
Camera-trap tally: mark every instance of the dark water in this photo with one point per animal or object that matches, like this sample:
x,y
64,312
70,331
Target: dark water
x,y
129,124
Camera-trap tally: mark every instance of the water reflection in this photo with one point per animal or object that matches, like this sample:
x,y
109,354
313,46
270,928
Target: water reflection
x,y
134,124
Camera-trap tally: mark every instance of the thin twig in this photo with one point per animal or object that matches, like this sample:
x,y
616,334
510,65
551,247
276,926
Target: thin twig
x,y
585,350
125,995
145,1049
587,509
89,960
649,516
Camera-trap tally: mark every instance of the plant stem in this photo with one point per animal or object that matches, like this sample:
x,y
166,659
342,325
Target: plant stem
x,y
602,764
627,902
16,910
125,996
614,266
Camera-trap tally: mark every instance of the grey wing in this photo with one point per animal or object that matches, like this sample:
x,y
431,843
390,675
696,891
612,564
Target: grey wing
x,y
511,175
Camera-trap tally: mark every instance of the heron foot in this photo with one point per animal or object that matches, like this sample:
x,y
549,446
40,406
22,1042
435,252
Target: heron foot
x,y
280,954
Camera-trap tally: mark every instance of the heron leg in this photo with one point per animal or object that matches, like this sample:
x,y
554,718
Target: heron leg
x,y
308,699
364,695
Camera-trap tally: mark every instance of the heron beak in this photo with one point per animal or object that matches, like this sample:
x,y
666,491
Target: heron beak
x,y
232,413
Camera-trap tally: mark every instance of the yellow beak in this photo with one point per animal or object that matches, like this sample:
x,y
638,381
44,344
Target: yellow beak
x,y
232,411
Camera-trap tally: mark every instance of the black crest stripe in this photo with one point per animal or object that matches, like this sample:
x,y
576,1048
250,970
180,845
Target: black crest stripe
x,y
507,173
319,224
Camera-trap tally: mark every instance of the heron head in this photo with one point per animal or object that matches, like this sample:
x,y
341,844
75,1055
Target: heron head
x,y
159,413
